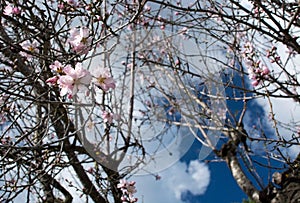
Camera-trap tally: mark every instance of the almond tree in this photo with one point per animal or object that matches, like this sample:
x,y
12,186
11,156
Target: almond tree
x,y
99,89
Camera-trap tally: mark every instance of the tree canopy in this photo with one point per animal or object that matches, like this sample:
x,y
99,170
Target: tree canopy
x,y
108,89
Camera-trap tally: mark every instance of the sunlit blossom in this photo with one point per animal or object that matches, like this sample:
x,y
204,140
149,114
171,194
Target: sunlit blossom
x,y
29,46
11,10
72,3
56,66
80,40
265,71
103,79
107,117
128,189
52,80
257,71
74,80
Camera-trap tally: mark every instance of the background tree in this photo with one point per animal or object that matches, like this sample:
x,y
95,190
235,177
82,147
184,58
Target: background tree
x,y
100,88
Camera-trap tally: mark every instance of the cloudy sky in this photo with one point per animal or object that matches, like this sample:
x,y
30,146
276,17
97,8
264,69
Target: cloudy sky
x,y
193,181
190,181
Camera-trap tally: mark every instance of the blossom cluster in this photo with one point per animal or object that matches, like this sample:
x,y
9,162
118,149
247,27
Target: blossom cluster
x,y
11,10
128,189
30,48
69,79
73,79
69,4
80,40
258,11
257,71
107,117
73,3
272,55
104,80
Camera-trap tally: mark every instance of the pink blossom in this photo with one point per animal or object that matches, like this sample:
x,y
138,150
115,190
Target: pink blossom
x,y
29,47
66,83
257,71
56,66
276,59
248,48
61,6
291,51
10,10
72,3
258,11
80,40
16,11
265,70
104,80
122,183
131,188
107,117
90,170
52,80
255,83
74,80
128,189
129,65
157,177
2,118
184,30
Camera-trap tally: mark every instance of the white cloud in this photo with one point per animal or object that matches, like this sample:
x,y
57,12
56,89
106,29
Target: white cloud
x,y
286,112
175,181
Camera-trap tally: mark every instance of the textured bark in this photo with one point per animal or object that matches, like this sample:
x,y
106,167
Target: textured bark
x,y
228,153
290,193
289,184
286,187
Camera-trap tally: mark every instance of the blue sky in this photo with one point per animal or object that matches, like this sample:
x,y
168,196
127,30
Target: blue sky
x,y
192,181
221,188
217,182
